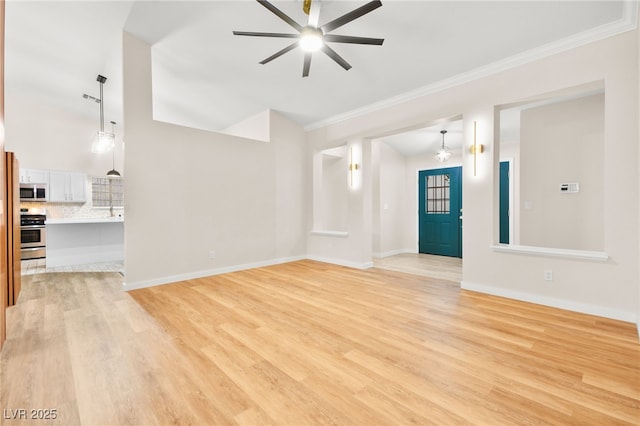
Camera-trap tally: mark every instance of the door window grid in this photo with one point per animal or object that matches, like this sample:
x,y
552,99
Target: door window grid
x,y
107,190
438,194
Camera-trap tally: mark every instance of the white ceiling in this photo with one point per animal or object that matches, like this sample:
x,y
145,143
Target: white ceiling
x,y
205,77
427,140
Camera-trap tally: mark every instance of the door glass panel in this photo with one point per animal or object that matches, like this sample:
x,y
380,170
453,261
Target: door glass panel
x,y
438,195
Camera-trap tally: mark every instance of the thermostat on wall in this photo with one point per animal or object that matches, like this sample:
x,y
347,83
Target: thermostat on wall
x,y
570,188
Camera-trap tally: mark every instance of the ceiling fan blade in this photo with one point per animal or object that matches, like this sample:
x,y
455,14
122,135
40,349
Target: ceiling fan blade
x,y
333,55
279,53
254,34
280,14
348,17
351,39
307,64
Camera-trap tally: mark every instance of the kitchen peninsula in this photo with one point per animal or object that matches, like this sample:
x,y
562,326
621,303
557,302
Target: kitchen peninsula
x,y
77,241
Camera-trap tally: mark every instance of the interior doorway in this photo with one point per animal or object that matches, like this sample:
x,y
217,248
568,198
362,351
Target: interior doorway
x,y
397,161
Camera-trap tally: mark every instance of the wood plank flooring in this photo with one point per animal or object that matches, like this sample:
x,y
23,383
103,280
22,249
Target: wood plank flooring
x,y
309,343
426,265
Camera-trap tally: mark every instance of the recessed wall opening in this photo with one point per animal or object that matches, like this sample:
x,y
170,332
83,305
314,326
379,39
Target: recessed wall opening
x,y
330,189
554,145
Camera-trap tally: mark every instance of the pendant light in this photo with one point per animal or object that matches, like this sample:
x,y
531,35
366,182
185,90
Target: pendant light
x,y
443,153
103,142
113,172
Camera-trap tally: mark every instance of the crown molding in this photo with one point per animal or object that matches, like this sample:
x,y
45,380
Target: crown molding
x,y
628,22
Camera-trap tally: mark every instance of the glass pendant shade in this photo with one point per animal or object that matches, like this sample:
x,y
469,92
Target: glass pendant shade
x,y
443,154
103,142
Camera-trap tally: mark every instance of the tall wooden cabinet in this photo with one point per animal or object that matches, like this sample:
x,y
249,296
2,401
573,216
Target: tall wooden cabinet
x,y
13,228
3,234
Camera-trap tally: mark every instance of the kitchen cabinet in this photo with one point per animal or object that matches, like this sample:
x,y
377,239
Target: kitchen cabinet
x,y
67,187
34,176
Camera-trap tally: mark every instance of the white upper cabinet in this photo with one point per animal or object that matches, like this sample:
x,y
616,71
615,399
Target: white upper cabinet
x,y
67,187
34,176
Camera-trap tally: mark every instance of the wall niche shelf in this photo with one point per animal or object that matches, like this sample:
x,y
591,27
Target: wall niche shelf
x,y
599,256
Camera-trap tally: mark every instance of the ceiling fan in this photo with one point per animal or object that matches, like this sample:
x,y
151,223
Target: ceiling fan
x,y
312,37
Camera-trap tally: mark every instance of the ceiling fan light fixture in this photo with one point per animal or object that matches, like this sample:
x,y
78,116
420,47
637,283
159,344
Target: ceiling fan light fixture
x,y
311,39
314,37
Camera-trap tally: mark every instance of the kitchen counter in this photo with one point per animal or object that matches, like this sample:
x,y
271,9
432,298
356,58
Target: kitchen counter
x,y
84,241
67,221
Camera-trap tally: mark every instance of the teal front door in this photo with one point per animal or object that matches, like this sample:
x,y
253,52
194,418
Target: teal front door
x,y
504,202
440,211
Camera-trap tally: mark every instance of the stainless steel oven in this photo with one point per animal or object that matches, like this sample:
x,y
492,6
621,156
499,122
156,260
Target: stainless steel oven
x,y
33,236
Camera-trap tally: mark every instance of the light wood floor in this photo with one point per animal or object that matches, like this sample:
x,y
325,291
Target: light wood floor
x,y
310,343
426,265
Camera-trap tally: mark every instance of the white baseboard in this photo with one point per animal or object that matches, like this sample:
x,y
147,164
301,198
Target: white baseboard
x,y
568,305
207,273
235,268
349,264
380,255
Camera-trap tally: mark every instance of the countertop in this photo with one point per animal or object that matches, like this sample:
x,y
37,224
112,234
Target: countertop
x,y
68,221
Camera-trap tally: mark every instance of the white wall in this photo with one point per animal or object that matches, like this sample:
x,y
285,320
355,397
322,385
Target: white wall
x,y
563,142
254,127
331,211
190,192
607,288
390,205
54,139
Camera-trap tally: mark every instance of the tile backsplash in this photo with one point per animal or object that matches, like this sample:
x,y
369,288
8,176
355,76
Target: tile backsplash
x,y
74,210
77,211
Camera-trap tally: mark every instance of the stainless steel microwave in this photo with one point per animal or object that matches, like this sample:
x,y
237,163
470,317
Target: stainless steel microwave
x,y
33,192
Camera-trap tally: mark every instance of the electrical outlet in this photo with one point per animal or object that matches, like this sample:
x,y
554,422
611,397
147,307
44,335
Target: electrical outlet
x,y
548,275
212,254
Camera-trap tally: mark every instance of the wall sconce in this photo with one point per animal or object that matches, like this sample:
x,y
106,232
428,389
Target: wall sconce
x,y
476,148
353,167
